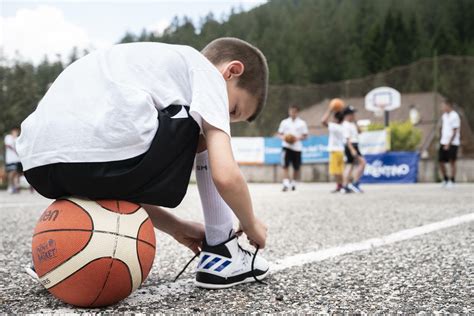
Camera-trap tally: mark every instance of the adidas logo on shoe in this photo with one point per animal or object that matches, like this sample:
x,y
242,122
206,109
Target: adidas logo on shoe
x,y
228,264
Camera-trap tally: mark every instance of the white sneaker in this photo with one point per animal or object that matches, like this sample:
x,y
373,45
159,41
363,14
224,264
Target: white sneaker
x,y
228,264
293,185
346,190
30,270
353,188
449,184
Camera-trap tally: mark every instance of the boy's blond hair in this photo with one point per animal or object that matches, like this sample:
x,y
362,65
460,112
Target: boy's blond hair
x,y
255,77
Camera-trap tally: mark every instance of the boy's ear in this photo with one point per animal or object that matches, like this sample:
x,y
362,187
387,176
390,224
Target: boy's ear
x,y
233,69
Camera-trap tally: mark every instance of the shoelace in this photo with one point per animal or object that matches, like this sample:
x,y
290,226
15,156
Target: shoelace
x,y
246,251
186,266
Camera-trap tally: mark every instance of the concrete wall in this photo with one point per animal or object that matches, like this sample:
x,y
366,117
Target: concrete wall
x,y
319,172
427,170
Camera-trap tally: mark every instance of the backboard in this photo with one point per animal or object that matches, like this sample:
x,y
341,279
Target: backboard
x,y
382,99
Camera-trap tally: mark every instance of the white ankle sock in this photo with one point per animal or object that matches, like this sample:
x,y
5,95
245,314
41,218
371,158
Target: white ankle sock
x,y
218,220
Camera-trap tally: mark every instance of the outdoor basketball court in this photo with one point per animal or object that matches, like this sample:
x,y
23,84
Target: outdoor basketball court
x,y
405,248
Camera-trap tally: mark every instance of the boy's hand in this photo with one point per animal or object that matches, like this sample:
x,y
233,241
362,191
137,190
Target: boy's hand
x,y
256,233
190,234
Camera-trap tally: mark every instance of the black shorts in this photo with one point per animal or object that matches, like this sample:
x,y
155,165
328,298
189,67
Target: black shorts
x,y
293,157
349,157
448,155
16,166
160,176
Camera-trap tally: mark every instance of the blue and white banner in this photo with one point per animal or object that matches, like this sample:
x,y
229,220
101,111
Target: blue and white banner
x,y
272,151
391,167
314,150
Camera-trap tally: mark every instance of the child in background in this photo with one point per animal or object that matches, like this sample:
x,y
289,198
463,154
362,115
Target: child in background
x,y
355,162
13,166
335,147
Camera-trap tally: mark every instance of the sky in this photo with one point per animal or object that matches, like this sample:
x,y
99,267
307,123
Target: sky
x,y
32,29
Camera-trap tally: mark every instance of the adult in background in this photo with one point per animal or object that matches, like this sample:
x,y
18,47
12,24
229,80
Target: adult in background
x,y
449,142
292,131
12,161
355,162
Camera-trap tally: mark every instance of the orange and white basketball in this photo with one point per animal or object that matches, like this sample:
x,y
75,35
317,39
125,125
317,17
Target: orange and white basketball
x,y
336,105
93,253
290,139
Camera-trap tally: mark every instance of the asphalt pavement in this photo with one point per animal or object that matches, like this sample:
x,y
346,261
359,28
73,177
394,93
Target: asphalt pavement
x,y
430,272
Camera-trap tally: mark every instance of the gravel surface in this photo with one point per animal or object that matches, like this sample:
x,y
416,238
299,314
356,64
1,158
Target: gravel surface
x,y
433,272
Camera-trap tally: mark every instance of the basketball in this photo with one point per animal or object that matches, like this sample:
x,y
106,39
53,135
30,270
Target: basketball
x,y
93,253
336,105
290,139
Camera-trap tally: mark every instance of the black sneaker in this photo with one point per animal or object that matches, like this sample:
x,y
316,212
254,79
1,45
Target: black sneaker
x,y
228,264
337,190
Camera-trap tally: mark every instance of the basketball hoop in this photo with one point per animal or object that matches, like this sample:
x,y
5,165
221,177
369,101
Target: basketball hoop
x,y
382,99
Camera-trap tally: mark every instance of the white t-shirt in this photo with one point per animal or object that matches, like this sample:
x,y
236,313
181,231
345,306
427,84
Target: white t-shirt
x,y
296,127
103,107
336,137
451,121
10,152
350,131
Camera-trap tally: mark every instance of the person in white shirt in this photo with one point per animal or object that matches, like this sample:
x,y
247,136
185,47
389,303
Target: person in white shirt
x,y
292,131
128,122
353,154
13,165
449,142
335,146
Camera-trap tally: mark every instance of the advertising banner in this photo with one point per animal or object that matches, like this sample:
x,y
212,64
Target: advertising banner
x,y
374,142
248,150
272,151
267,150
391,167
314,150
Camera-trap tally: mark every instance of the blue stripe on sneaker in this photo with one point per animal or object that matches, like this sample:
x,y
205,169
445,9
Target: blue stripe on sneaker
x,y
211,263
222,266
204,258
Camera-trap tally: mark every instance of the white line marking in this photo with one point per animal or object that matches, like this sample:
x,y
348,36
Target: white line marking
x,y
185,286
20,205
300,259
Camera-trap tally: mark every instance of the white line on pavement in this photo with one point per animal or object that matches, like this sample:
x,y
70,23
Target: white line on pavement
x,y
20,205
300,259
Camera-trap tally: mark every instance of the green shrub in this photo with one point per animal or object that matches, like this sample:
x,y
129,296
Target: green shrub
x,y
403,135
